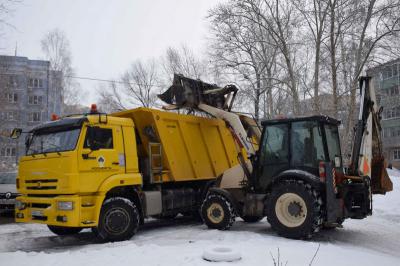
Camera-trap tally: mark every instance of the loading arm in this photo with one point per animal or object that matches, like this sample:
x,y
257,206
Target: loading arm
x,y
367,153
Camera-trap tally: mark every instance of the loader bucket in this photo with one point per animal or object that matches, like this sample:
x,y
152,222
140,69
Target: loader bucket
x,y
380,181
186,92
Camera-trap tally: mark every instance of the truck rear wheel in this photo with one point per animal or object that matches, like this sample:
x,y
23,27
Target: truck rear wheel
x,y
119,220
63,230
294,209
217,212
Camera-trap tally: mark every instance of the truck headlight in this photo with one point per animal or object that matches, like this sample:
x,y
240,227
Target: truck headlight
x,y
65,205
19,205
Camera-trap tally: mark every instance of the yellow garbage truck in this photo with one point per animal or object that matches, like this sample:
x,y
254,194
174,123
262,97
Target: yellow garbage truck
x,y
110,172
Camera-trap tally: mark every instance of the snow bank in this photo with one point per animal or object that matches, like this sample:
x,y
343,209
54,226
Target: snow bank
x,y
372,241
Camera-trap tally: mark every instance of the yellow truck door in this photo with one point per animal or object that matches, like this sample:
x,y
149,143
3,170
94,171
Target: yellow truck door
x,y
96,165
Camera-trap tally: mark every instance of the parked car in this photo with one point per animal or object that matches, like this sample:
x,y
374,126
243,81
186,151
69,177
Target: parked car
x,y
8,191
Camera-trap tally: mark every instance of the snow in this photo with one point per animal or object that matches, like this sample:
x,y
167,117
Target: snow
x,y
372,241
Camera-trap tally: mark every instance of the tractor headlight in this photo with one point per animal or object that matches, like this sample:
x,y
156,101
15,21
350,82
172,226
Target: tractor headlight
x,y
19,205
65,205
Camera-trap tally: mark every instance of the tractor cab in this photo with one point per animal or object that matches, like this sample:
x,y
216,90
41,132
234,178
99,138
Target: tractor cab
x,y
304,144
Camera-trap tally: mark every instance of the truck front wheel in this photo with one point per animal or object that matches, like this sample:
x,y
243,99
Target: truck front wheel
x,y
294,209
64,231
217,212
119,220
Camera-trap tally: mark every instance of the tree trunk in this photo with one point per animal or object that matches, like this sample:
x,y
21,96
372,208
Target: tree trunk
x,y
269,94
257,97
316,76
333,61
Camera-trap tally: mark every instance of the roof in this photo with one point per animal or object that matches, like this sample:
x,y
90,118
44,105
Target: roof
x,y
383,65
64,123
320,118
76,121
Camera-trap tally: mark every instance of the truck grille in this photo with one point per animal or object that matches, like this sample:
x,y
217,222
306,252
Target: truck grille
x,y
41,184
40,205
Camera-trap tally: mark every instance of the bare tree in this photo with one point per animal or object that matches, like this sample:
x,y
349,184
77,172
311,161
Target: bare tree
x,y
183,61
243,48
6,10
314,13
372,22
56,48
279,19
140,83
110,98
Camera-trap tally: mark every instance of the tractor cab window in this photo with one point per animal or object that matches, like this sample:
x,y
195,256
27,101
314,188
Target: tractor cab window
x,y
102,137
333,141
307,145
275,144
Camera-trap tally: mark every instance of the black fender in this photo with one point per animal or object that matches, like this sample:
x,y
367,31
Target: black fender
x,y
298,174
132,193
204,190
226,194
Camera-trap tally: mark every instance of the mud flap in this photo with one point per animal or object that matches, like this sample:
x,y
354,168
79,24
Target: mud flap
x,y
334,211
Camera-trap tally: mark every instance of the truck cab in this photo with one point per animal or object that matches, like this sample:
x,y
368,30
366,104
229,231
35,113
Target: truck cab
x,y
298,145
69,167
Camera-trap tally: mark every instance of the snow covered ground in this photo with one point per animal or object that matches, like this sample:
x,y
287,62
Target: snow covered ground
x,y
372,241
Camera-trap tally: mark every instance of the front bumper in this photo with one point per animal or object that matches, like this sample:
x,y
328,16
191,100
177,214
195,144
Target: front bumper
x,y
45,210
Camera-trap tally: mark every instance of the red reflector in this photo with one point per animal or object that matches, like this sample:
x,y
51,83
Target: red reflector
x,y
17,183
54,117
322,173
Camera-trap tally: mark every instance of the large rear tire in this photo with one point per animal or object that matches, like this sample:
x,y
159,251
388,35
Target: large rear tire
x,y
64,231
119,220
294,209
217,212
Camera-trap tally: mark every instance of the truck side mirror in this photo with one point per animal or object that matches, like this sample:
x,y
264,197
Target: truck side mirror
x,y
91,138
16,133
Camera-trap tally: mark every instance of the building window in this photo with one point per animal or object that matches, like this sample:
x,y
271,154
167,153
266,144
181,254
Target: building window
x,y
395,70
9,116
35,100
35,83
7,152
393,91
11,97
34,117
12,80
392,113
396,154
390,132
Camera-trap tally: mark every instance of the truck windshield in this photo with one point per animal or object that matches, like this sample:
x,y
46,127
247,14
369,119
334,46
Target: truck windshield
x,y
45,142
332,139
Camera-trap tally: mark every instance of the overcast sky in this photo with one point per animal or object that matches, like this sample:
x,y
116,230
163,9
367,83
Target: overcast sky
x,y
106,36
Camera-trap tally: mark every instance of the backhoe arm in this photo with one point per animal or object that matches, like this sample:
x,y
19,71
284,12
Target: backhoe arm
x,y
367,154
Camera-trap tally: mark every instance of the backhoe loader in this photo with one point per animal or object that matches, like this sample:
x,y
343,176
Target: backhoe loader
x,y
293,171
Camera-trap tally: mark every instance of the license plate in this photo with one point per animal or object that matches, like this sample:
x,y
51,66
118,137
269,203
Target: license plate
x,y
36,213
